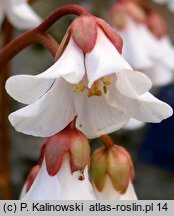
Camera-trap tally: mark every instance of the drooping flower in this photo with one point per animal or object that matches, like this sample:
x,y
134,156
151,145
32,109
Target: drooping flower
x,y
112,174
63,169
19,14
91,80
147,46
62,186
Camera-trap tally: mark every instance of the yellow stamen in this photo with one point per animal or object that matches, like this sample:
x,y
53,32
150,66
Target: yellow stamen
x,y
106,81
95,90
80,87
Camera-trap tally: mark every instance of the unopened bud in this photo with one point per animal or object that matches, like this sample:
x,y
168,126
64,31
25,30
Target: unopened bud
x,y
113,163
69,141
84,32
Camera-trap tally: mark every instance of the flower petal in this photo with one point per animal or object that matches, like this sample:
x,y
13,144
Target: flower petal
x,y
135,50
145,108
95,117
104,59
72,187
21,15
62,186
27,88
45,187
48,115
130,193
108,192
167,52
133,124
70,65
132,83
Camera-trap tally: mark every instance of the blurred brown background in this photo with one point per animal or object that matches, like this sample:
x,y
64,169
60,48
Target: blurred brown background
x,y
152,182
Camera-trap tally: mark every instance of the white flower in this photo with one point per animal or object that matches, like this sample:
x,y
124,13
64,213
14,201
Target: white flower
x,y
60,93
109,193
62,186
153,56
19,13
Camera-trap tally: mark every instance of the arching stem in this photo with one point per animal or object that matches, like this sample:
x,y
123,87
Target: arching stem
x,y
38,35
4,129
106,139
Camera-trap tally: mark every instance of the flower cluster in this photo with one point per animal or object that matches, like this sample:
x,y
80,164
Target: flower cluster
x,y
145,34
89,91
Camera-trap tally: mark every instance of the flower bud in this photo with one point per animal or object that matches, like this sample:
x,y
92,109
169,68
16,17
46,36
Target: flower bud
x,y
113,163
69,141
84,32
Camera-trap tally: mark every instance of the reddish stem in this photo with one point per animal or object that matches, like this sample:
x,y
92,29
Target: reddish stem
x,y
38,35
4,130
60,12
107,141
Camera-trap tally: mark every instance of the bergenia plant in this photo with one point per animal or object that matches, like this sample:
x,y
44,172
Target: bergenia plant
x,y
19,14
145,34
88,92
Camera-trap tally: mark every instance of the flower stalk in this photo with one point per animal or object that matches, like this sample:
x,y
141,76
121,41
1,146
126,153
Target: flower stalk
x,y
38,35
4,130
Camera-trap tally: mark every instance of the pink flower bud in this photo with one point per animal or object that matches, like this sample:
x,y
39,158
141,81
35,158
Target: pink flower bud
x,y
84,32
71,141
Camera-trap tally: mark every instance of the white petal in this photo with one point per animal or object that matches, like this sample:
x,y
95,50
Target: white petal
x,y
71,187
130,193
108,192
167,52
27,88
62,186
133,124
48,115
160,75
70,65
21,15
151,42
95,117
135,50
132,83
145,108
104,59
45,187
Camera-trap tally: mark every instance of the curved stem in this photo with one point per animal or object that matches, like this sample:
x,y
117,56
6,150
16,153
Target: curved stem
x,y
38,35
60,12
107,141
4,129
23,41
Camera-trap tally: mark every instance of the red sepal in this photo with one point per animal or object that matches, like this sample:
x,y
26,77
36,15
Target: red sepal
x,y
112,35
56,146
31,177
84,32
